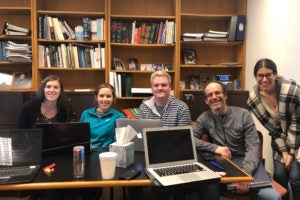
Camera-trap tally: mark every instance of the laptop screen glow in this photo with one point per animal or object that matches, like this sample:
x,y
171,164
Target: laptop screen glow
x,y
165,146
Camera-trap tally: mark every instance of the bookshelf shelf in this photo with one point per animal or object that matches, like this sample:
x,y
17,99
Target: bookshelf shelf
x,y
210,66
137,71
15,38
64,13
86,42
142,17
69,69
15,10
143,45
211,43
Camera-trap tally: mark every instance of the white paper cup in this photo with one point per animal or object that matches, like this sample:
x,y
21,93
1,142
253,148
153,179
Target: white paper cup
x,y
108,161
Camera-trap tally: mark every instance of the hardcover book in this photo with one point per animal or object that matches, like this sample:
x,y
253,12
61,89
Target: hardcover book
x,y
236,28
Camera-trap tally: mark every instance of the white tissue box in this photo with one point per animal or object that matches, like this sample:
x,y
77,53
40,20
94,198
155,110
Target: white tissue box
x,y
125,153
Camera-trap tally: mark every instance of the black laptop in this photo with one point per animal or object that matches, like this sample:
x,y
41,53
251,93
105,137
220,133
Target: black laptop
x,y
20,155
60,138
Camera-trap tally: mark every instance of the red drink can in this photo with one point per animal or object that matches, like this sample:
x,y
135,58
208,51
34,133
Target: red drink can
x,y
78,161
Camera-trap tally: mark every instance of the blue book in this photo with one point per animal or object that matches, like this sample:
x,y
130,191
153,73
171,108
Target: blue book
x,y
240,28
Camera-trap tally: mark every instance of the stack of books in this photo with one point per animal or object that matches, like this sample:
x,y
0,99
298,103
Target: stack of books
x,y
11,29
18,52
192,36
212,35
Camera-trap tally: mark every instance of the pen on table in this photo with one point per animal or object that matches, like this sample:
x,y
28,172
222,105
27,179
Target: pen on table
x,y
213,163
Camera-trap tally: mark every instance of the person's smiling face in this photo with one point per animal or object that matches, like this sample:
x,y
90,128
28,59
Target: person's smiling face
x,y
52,90
265,78
161,87
104,99
215,98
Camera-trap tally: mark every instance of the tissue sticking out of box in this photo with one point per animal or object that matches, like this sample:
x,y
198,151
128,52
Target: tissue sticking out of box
x,y
125,134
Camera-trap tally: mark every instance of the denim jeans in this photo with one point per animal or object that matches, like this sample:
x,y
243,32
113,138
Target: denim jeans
x,y
292,176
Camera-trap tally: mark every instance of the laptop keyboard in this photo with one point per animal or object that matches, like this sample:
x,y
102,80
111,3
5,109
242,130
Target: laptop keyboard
x,y
15,172
167,171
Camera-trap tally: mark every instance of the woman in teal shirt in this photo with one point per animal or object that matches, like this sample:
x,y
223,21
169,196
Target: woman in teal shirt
x,y
102,118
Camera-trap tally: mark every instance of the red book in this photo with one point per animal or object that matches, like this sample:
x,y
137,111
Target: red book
x,y
128,113
159,32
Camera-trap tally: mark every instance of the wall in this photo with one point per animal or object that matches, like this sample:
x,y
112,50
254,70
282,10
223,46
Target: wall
x,y
273,31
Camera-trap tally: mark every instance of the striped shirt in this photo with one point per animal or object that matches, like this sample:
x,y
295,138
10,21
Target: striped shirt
x,y
175,113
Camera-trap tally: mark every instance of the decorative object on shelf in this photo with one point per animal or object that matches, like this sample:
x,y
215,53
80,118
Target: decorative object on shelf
x,y
194,82
182,85
146,67
22,80
189,56
132,63
205,79
118,64
5,80
79,32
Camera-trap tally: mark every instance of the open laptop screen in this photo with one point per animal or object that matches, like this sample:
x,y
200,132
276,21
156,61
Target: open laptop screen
x,y
25,147
60,138
166,145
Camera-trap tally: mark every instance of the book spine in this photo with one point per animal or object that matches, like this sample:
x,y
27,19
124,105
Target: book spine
x,y
240,27
232,28
86,28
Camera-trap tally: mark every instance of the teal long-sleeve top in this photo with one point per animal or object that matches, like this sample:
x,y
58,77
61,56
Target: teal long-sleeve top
x,y
102,128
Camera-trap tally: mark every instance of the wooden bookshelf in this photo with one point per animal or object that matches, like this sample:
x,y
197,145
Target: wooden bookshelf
x,y
18,13
73,76
189,16
197,16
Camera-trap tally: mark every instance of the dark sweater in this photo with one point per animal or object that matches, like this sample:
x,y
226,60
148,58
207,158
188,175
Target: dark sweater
x,y
32,109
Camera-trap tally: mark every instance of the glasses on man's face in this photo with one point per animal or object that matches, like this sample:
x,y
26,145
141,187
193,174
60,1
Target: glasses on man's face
x,y
267,75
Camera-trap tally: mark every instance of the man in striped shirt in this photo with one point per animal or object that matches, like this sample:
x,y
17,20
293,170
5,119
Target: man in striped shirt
x,y
162,105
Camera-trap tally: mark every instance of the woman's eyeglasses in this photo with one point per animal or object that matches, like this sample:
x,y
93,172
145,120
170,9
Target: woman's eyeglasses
x,y
267,75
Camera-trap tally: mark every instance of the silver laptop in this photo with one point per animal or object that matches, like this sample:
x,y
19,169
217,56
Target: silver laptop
x,y
171,157
20,155
138,125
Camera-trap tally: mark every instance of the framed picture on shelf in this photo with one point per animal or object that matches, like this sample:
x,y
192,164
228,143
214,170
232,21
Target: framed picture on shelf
x,y
189,56
205,79
132,63
194,82
22,80
118,64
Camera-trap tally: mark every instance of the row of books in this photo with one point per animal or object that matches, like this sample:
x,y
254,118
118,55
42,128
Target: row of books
x,y
71,55
15,52
53,28
15,80
162,32
15,30
122,83
131,113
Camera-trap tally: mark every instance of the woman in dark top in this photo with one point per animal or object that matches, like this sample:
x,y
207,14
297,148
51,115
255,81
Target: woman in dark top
x,y
48,106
